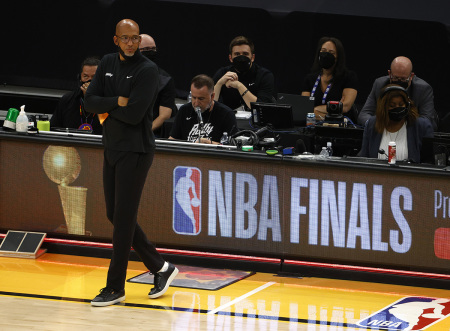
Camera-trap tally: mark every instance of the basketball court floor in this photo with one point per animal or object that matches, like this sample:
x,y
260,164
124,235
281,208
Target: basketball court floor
x,y
53,292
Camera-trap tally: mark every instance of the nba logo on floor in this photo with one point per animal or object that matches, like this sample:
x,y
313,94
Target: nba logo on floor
x,y
187,197
408,314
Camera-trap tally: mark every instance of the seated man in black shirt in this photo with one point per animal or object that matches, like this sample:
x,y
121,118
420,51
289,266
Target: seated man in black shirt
x,y
243,82
164,107
216,117
70,112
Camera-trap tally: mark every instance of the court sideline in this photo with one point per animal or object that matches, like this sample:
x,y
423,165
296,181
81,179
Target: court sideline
x,y
53,293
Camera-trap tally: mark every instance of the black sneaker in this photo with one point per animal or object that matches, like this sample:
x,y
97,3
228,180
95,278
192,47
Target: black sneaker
x,y
162,281
108,296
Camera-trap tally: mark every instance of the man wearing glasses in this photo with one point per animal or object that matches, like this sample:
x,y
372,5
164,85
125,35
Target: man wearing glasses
x,y
418,90
123,93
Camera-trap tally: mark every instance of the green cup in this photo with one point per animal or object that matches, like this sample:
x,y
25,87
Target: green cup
x,y
11,117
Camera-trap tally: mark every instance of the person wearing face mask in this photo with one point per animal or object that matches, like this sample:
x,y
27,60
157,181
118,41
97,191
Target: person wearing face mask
x,y
330,80
164,107
396,119
210,122
244,81
401,73
70,111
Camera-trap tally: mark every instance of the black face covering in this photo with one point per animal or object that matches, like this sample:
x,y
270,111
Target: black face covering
x,y
150,54
400,83
326,60
398,113
242,63
126,57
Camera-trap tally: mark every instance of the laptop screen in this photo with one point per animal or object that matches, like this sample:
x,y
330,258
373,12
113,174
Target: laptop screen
x,y
301,106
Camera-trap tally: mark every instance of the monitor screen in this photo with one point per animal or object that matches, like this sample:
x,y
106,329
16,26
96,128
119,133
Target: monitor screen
x,y
345,141
436,150
277,115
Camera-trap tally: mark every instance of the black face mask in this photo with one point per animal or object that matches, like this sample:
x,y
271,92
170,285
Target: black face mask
x,y
397,114
326,60
242,63
129,58
400,83
150,54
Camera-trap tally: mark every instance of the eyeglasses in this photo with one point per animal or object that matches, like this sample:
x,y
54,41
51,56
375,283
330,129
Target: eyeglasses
x,y
126,39
400,79
145,49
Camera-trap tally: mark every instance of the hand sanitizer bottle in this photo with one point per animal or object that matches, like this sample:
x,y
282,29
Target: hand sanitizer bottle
x,y
22,121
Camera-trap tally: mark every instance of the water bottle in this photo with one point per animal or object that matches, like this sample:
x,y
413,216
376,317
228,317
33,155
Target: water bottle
x,y
224,139
189,98
323,153
329,149
22,121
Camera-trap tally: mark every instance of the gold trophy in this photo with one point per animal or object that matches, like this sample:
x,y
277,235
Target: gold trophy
x,y
63,165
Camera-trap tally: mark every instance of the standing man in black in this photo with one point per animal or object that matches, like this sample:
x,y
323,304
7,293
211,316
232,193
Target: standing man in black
x,y
123,92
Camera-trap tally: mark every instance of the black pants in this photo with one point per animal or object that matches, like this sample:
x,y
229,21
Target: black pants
x,y
124,175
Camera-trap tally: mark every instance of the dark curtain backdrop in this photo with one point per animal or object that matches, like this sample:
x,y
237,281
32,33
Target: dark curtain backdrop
x,y
47,40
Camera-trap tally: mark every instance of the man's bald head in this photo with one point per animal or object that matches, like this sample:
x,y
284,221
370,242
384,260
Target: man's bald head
x,y
147,41
401,71
402,63
125,24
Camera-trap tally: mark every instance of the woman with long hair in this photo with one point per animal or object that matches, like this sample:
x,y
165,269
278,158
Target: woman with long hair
x,y
396,120
330,80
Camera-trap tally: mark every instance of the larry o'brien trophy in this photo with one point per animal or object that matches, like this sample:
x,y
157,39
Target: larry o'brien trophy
x,y
63,165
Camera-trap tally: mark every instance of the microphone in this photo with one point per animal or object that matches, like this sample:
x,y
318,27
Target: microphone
x,y
198,110
382,152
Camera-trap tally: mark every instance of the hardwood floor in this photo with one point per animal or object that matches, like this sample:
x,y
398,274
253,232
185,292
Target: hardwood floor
x,y
53,293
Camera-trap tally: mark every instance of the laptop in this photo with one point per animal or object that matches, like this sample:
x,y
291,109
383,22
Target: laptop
x,y
301,106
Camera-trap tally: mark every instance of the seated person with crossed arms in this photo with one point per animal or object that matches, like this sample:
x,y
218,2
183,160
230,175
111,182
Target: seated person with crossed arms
x,y
330,80
243,81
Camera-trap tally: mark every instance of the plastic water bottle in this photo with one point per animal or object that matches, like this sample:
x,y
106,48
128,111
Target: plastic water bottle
x,y
329,149
323,153
22,121
224,139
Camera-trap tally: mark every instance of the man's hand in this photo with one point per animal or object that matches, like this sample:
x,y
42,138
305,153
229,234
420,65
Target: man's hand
x,y
122,101
205,141
228,77
233,84
84,87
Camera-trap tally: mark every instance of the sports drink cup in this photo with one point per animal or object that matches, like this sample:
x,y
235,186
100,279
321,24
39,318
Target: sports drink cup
x,y
392,153
11,118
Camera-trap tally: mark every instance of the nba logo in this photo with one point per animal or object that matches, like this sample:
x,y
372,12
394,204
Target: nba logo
x,y
187,185
408,314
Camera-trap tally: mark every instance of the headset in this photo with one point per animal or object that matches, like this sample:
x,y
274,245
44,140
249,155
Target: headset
x,y
397,88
